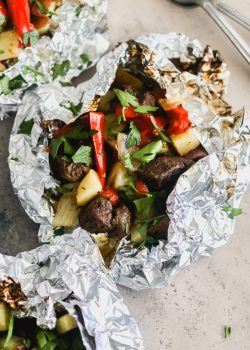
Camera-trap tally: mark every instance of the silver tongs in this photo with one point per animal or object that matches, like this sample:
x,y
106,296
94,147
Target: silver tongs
x,y
214,9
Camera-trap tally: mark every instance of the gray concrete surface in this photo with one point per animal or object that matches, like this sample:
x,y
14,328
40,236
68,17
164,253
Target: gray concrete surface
x,y
192,311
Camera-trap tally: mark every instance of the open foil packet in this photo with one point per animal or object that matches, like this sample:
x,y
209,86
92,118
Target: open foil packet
x,y
78,40
68,273
199,206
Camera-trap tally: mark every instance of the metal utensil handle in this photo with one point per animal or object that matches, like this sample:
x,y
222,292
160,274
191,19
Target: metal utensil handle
x,y
232,13
232,34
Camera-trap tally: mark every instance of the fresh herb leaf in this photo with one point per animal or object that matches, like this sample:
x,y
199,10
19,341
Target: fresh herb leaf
x,y
126,98
65,83
85,58
228,331
60,69
232,212
56,143
145,109
74,108
16,83
83,155
42,9
127,161
134,136
27,343
78,133
1,51
30,37
10,331
162,135
36,72
148,153
26,127
78,11
113,129
4,85
65,158
144,208
46,340
62,190
14,158
58,231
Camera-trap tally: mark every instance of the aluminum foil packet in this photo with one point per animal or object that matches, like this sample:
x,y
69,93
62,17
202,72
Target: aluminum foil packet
x,y
199,207
78,38
68,273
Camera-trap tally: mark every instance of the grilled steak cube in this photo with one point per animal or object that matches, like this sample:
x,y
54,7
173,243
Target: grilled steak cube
x,y
162,171
69,171
196,154
160,230
121,221
96,217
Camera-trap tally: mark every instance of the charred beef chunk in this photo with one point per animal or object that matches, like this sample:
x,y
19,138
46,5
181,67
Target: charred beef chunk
x,y
121,220
196,154
148,99
96,217
69,171
162,171
160,230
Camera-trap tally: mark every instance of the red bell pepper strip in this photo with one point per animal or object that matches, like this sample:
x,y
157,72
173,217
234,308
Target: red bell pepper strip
x,y
96,120
178,120
111,194
59,132
3,15
19,11
141,188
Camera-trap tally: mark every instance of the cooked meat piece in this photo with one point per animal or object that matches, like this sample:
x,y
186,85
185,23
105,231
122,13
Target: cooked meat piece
x,y
196,154
160,230
148,99
51,126
69,171
96,217
121,220
163,171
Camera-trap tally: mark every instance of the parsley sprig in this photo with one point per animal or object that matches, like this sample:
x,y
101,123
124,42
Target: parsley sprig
x,y
134,136
231,212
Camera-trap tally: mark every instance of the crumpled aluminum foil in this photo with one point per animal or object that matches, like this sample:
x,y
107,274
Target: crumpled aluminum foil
x,y
72,36
198,221
68,273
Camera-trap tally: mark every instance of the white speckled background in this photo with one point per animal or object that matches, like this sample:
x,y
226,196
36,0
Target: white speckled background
x,y
191,313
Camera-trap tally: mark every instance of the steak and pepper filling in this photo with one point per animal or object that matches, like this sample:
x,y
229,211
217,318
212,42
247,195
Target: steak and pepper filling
x,y
117,165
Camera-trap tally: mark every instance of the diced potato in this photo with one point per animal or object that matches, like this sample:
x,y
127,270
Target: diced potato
x,y
138,234
67,211
9,45
107,246
118,176
4,317
125,78
65,324
185,142
105,101
112,127
42,24
89,187
12,344
170,103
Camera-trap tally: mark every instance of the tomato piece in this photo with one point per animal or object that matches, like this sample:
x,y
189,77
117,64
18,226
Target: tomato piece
x,y
111,194
141,188
178,120
129,112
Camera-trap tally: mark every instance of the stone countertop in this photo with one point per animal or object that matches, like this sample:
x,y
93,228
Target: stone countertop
x,y
192,311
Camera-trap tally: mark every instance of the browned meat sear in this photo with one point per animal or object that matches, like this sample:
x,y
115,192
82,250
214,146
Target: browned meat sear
x,y
162,171
121,221
69,171
160,230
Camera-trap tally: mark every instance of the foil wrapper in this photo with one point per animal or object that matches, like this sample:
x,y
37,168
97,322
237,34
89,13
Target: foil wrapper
x,y
79,37
68,273
196,206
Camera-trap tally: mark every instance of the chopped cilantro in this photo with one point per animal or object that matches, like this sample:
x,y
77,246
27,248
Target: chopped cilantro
x,y
85,58
30,38
65,83
126,98
36,72
60,69
228,331
26,126
145,109
78,10
148,153
56,143
232,212
83,155
79,133
4,85
162,135
134,136
74,108
58,231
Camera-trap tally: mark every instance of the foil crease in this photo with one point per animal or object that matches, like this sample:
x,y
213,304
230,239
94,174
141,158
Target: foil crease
x,y
71,36
68,273
198,222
